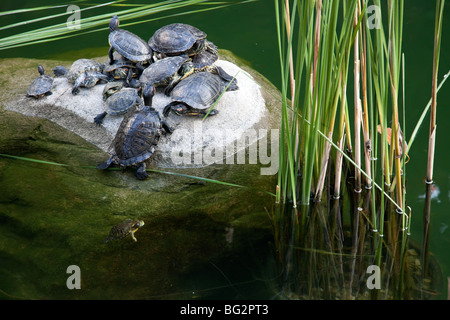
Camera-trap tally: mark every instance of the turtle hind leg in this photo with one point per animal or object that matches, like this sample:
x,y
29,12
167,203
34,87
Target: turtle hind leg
x,y
221,73
104,165
110,55
140,173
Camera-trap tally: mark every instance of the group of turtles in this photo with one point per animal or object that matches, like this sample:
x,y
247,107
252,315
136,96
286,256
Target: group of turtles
x,y
177,58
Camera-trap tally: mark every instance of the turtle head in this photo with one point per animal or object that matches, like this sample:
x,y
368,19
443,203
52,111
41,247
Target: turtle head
x,y
175,107
148,93
187,68
114,23
139,223
41,70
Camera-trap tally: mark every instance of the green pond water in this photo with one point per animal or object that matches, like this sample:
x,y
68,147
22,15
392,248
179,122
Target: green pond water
x,y
200,240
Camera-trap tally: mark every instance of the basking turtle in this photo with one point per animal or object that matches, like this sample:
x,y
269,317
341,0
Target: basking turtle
x,y
167,72
129,45
40,86
123,229
111,88
195,94
117,103
137,136
205,61
179,38
82,73
120,69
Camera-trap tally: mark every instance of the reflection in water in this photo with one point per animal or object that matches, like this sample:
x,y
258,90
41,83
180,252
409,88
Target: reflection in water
x,y
335,253
434,193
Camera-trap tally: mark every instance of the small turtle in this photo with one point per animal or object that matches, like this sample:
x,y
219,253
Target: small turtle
x,y
120,69
40,86
205,61
137,136
179,38
123,229
167,72
129,45
111,88
118,103
82,73
195,94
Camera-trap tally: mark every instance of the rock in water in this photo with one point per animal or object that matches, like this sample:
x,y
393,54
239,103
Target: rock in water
x,y
245,117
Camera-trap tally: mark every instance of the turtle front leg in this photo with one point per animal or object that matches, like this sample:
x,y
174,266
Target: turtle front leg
x,y
140,173
166,127
132,235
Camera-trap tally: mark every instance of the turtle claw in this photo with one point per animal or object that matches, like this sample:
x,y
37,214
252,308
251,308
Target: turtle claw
x,y
104,165
99,118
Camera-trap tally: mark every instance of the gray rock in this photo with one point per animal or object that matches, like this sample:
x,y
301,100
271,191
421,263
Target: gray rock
x,y
244,118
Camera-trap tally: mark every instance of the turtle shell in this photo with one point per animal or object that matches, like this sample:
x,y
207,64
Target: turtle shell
x,y
199,91
130,45
162,71
119,64
123,229
204,60
111,88
40,86
121,101
137,136
175,38
82,65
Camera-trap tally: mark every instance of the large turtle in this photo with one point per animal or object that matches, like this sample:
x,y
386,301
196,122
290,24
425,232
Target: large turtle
x,y
82,73
179,38
129,45
196,94
40,86
119,102
137,137
123,229
167,72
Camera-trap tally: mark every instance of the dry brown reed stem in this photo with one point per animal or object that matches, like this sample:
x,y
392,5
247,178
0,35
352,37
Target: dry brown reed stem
x,y
291,74
432,135
357,108
365,114
339,155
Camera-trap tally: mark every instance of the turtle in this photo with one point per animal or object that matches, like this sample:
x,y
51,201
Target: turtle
x,y
123,229
82,73
195,94
180,38
119,102
40,86
137,136
128,44
205,61
112,87
120,69
167,72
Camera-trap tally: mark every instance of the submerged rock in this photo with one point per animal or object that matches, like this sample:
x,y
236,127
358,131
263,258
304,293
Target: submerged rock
x,y
60,215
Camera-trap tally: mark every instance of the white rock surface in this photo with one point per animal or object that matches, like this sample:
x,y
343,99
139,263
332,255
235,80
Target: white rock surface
x,y
194,143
